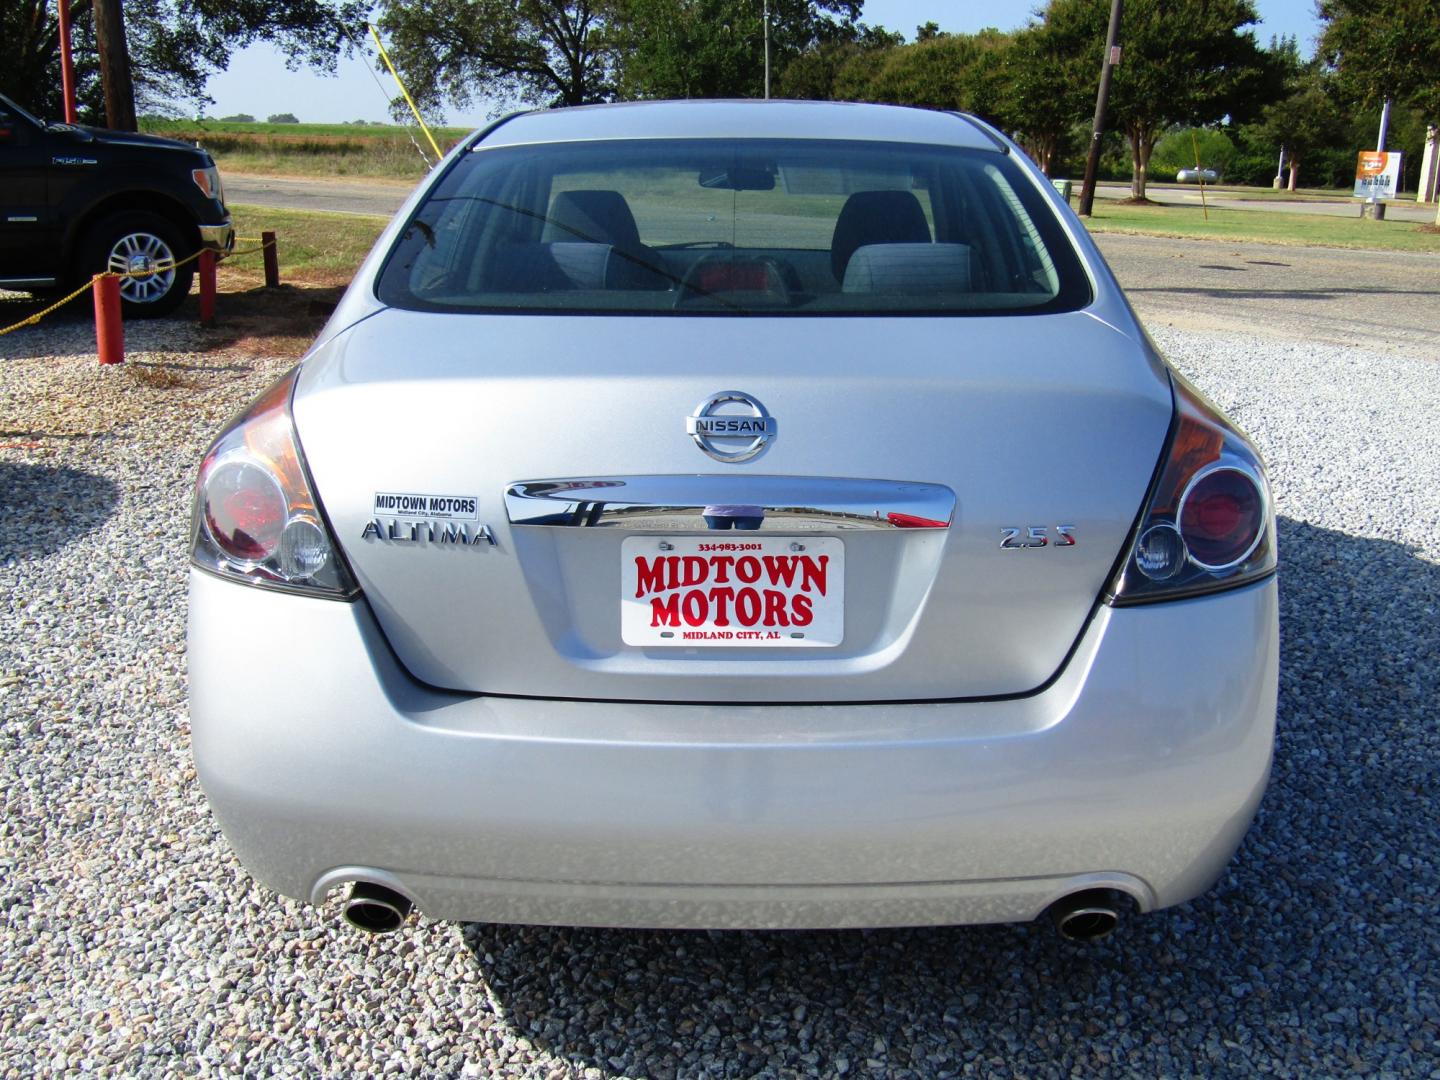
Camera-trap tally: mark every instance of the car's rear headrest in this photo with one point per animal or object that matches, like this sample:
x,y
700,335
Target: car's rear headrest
x,y
597,217
876,217
555,267
913,269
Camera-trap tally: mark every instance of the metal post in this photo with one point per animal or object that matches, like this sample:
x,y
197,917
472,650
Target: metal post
x,y
767,50
1280,171
272,260
67,64
1377,208
109,330
1092,162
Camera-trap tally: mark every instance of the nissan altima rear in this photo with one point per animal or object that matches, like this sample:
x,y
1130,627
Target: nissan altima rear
x,y
734,515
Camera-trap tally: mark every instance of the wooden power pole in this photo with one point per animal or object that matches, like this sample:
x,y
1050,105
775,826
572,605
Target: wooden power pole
x,y
1092,161
114,66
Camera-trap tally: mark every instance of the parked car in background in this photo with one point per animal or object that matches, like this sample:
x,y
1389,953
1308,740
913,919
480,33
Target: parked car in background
x,y
76,201
716,514
1197,176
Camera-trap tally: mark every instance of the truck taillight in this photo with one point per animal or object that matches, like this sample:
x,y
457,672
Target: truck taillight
x,y
1208,523
256,519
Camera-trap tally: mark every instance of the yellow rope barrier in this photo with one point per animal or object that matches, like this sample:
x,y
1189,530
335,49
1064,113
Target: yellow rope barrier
x,y
408,99
159,268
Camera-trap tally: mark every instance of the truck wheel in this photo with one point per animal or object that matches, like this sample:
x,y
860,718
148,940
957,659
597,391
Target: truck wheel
x,y
146,245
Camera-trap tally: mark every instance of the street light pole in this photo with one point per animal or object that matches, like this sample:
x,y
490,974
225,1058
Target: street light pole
x,y
1377,208
1092,162
767,50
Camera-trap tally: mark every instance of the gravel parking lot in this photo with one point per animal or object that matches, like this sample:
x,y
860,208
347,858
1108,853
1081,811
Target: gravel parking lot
x,y
132,942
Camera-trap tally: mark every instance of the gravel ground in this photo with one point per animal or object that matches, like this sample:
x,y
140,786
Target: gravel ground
x,y
132,943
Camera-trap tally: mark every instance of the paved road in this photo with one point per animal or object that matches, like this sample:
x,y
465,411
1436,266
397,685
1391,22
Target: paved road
x,y
381,197
385,196
1222,199
1384,301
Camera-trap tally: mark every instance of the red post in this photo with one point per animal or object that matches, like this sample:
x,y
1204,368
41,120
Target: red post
x,y
207,288
272,260
109,330
67,65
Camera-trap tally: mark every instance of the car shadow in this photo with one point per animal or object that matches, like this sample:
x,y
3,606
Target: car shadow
x,y
1321,891
43,508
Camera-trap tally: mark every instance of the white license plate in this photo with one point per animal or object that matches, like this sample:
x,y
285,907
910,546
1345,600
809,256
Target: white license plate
x,y
746,589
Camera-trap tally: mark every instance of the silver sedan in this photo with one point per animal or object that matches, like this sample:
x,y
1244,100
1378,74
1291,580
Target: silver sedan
x,y
734,515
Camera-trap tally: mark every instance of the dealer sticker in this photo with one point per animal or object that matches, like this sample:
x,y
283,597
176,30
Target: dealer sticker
x,y
731,588
410,505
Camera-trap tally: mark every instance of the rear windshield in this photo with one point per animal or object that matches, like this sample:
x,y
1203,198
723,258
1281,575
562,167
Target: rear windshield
x,y
741,226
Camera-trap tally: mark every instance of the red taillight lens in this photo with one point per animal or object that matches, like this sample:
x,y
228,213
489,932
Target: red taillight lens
x,y
1207,524
256,516
244,510
1222,516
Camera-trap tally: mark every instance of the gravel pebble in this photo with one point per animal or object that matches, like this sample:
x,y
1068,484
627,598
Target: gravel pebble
x,y
133,944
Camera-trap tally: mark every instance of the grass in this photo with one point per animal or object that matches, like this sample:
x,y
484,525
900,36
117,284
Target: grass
x,y
383,152
318,248
1305,230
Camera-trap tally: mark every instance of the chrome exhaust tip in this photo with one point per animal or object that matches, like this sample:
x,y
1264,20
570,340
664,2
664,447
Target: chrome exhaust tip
x,y
375,909
1086,916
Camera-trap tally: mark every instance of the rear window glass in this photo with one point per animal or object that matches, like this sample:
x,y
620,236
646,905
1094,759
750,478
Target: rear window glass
x,y
747,226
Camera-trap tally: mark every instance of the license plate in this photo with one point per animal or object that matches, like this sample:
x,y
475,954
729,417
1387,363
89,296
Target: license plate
x,y
770,591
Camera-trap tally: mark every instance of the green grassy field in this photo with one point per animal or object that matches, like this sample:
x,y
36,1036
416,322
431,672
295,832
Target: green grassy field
x,y
385,152
313,247
1309,230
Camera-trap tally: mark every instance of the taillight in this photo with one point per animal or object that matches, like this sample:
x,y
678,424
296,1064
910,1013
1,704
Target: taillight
x,y
1208,524
256,517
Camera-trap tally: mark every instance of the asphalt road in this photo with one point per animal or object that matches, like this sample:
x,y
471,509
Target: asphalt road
x,y
385,196
1228,199
1384,301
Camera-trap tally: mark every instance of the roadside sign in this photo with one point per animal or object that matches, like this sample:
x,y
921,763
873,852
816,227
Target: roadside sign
x,y
1377,174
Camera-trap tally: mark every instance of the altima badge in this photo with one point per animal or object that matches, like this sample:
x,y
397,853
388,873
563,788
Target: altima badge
x,y
728,435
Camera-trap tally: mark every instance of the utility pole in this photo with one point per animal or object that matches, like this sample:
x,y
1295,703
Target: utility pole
x,y
67,65
114,66
1377,208
767,50
1092,162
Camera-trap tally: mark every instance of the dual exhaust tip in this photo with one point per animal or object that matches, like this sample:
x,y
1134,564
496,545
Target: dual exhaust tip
x,y
1090,915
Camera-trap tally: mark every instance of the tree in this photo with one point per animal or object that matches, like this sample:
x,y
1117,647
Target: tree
x,y
1183,62
540,51
238,118
944,71
1385,48
282,118
716,48
1306,120
174,46
1040,105
833,69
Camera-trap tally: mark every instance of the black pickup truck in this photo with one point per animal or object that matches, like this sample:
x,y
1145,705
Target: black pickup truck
x,y
75,201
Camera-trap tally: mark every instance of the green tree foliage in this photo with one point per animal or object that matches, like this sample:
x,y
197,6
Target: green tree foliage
x,y
716,48
175,46
1179,149
1306,121
1041,105
837,70
238,118
1384,48
553,52
944,71
1184,62
282,118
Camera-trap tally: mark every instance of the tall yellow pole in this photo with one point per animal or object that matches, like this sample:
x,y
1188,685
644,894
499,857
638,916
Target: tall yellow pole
x,y
1199,174
408,99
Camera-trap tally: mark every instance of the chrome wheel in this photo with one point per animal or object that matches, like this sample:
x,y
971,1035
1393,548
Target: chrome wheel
x,y
152,262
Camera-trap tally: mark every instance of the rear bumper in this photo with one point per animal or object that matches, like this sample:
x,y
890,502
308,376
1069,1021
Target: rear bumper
x,y
1140,769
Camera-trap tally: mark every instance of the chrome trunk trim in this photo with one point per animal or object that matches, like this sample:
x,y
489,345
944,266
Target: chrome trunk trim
x,y
789,504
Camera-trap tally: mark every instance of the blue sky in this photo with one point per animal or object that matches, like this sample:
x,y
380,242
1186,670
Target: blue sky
x,y
258,82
